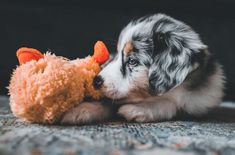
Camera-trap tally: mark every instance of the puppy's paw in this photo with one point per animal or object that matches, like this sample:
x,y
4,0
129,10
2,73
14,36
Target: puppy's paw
x,y
85,113
77,116
135,113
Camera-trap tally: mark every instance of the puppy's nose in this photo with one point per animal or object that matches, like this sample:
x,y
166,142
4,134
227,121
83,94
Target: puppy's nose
x,y
98,81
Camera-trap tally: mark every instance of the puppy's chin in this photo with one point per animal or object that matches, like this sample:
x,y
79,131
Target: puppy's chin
x,y
113,94
133,96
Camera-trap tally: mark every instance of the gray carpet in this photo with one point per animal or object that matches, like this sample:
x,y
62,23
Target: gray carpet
x,y
214,134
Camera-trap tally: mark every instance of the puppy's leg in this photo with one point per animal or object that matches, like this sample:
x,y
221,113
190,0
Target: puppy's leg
x,y
161,109
87,112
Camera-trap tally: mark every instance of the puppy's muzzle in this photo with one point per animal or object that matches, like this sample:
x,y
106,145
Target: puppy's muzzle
x,y
98,82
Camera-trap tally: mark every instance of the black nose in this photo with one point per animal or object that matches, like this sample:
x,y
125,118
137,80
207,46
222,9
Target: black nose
x,y
98,81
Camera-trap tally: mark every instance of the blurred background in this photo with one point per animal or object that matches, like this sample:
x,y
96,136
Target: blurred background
x,y
71,27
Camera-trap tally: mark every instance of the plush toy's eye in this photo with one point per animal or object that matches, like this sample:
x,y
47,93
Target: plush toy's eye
x,y
133,62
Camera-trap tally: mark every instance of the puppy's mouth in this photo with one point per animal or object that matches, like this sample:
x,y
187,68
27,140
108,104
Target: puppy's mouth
x,y
133,96
111,97
112,93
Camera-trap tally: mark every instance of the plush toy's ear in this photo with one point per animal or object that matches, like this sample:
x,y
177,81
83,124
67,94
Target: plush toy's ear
x,y
101,53
25,54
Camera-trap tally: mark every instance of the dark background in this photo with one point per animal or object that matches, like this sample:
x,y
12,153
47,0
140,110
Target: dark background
x,y
71,27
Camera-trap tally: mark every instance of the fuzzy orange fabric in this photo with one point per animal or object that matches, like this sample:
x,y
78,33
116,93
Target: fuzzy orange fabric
x,y
41,91
101,54
25,54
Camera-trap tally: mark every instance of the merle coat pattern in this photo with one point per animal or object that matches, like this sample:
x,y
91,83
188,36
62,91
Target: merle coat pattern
x,y
161,67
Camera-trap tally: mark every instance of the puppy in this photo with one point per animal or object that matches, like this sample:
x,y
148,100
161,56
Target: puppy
x,y
161,67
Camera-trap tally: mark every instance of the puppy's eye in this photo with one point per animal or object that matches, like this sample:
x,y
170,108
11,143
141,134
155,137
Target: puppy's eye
x,y
133,62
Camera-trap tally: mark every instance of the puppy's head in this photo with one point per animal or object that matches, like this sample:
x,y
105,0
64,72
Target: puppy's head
x,y
155,55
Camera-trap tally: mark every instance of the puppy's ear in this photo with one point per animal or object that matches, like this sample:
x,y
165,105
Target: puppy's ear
x,y
177,51
160,41
172,66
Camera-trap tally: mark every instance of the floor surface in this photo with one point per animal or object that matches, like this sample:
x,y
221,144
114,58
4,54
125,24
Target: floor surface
x,y
214,134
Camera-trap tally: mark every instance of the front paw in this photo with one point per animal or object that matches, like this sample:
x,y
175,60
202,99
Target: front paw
x,y
85,113
77,116
135,113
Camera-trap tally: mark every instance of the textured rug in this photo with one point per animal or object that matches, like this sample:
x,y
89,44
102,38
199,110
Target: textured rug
x,y
214,134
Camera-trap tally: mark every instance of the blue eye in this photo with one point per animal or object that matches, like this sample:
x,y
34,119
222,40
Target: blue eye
x,y
133,62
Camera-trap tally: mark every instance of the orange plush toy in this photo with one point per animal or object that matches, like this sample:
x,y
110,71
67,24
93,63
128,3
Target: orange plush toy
x,y
45,86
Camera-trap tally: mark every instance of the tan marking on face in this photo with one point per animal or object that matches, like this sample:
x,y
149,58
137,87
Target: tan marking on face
x,y
128,48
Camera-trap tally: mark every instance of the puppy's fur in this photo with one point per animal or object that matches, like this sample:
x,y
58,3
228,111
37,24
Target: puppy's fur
x,y
162,66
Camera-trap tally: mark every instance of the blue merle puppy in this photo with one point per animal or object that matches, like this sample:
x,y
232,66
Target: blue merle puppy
x,y
161,67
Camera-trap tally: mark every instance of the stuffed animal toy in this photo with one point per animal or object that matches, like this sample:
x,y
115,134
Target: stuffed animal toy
x,y
45,86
